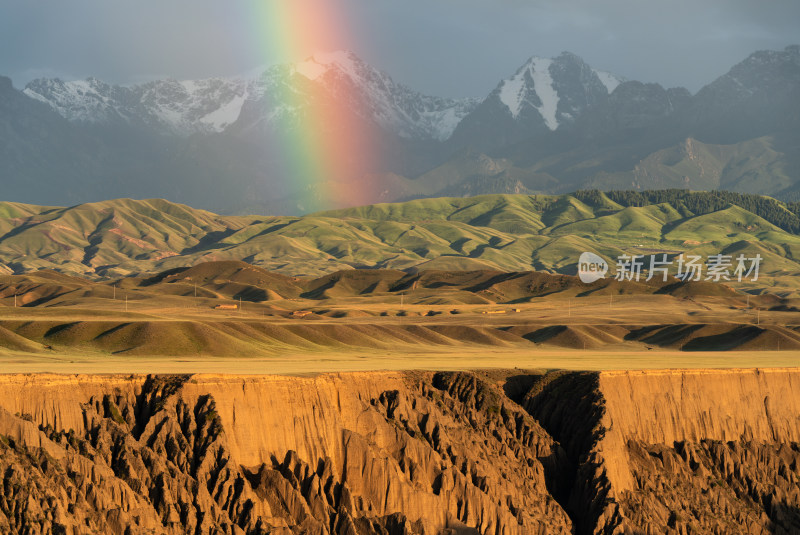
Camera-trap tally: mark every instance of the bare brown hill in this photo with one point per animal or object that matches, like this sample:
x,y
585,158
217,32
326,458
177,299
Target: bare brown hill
x,y
232,337
353,283
231,278
407,453
196,311
45,286
239,279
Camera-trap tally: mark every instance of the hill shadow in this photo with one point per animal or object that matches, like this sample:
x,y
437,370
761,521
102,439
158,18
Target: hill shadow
x,y
211,241
545,333
724,341
663,335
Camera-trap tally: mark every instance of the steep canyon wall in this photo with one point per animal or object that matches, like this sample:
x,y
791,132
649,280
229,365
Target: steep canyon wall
x,y
498,453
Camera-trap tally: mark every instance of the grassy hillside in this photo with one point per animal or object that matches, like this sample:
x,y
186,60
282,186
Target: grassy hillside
x,y
122,238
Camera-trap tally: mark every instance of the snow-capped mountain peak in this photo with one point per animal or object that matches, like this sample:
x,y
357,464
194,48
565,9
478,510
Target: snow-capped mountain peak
x,y
320,63
555,90
533,85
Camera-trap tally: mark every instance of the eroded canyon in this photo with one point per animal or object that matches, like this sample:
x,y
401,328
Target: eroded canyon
x,y
499,452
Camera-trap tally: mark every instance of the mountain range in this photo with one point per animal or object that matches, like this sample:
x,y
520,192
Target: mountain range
x,y
553,126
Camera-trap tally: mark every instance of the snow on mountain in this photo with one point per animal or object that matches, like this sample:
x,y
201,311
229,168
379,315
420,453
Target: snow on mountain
x,y
547,92
90,100
211,105
611,81
532,85
557,90
543,95
183,107
194,106
224,115
392,105
319,64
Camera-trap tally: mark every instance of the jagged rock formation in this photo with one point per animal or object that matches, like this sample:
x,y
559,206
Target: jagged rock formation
x,y
402,453
347,455
678,451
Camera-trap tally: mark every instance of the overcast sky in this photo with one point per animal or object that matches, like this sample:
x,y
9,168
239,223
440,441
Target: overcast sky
x,y
441,47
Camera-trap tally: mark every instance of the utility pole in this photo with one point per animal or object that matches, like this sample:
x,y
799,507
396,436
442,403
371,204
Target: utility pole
x,y
126,302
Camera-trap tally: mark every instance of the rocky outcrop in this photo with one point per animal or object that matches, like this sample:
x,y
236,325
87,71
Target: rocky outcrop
x,y
678,451
345,454
405,453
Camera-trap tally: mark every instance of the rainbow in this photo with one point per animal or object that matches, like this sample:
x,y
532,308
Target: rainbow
x,y
330,153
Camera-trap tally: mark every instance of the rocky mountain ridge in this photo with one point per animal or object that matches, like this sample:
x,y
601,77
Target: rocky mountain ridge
x,y
555,125
212,105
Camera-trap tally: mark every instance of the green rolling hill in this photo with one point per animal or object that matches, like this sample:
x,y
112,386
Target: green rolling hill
x,y
125,237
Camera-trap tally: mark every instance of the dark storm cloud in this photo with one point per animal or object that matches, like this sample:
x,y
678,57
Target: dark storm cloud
x,y
448,47
120,40
673,42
